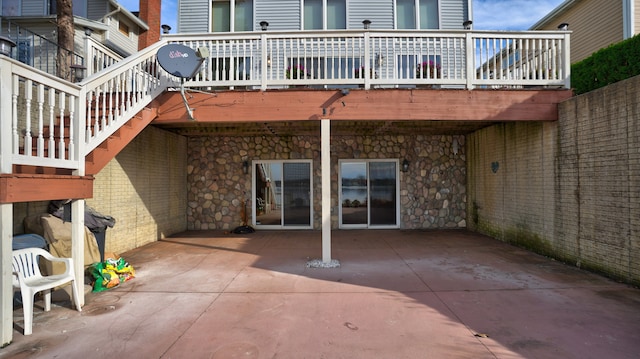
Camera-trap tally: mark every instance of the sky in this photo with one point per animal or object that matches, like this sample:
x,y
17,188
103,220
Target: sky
x,y
510,15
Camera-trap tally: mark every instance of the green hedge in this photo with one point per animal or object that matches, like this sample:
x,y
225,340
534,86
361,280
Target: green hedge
x,y
612,64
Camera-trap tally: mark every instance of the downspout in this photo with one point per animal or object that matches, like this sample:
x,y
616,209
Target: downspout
x,y
108,18
628,19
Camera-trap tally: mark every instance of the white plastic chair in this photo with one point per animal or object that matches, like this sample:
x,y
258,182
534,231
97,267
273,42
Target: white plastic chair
x,y
28,279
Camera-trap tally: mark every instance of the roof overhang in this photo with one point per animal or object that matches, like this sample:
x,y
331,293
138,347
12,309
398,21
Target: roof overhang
x,y
119,8
553,14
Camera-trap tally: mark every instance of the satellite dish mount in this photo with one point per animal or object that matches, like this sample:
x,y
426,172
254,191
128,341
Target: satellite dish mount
x,y
184,62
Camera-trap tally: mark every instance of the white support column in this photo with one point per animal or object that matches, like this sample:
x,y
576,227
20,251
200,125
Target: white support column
x,y
6,209
77,244
325,163
6,280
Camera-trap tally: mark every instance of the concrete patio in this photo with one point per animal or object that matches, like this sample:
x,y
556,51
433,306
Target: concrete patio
x,y
397,294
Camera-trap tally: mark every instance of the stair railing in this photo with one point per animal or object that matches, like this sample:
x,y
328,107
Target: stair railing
x,y
115,94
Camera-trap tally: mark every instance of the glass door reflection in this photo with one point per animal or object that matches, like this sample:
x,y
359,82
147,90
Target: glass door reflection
x,y
282,194
268,190
369,194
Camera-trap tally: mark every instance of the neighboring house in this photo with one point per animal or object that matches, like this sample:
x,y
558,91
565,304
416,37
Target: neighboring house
x,y
31,24
246,15
595,24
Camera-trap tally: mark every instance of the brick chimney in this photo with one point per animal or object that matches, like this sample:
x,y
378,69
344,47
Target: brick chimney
x,y
150,14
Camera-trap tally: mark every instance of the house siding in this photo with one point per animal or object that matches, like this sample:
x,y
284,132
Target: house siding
x,y
34,8
124,44
281,14
287,14
193,16
595,24
96,9
453,13
380,12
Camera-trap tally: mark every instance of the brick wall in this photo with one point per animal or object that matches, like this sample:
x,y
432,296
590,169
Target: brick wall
x,y
567,189
150,14
144,189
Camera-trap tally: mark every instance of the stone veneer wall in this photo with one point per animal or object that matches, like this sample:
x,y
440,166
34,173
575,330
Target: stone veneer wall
x,y
433,191
568,189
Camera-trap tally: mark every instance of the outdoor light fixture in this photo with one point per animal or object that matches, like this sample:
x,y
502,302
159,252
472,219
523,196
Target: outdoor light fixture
x,y
264,25
245,166
455,146
268,60
88,31
405,165
78,72
6,45
366,23
563,27
165,28
467,24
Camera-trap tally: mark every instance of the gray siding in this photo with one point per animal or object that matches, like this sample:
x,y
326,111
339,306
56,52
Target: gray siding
x,y
453,13
194,16
287,14
281,14
96,9
34,8
380,12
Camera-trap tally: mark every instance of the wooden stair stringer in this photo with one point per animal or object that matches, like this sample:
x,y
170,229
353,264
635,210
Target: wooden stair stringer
x,y
106,151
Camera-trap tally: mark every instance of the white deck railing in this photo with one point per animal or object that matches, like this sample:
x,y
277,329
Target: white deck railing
x,y
466,59
32,103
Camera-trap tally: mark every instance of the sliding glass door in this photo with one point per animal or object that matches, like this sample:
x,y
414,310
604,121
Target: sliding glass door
x,y
282,194
369,193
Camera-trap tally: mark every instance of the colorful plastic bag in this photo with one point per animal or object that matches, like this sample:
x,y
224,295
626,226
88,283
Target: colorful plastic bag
x,y
111,273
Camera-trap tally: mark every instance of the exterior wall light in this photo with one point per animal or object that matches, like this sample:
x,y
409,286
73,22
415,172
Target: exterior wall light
x,y
6,46
467,24
455,146
165,28
405,165
78,72
88,31
245,167
564,26
366,23
264,25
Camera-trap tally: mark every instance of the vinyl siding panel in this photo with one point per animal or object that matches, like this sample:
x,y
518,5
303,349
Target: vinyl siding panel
x,y
453,13
380,12
193,16
34,8
281,14
595,24
125,45
96,9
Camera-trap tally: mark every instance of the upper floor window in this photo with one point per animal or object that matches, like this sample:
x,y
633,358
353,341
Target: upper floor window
x,y
79,7
407,17
11,7
123,28
336,14
223,18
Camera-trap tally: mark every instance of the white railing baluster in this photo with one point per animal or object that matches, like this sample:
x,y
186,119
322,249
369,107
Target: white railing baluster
x,y
73,123
52,125
28,97
40,140
62,107
14,113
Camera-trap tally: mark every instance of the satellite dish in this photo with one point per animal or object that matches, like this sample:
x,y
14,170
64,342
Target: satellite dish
x,y
179,60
